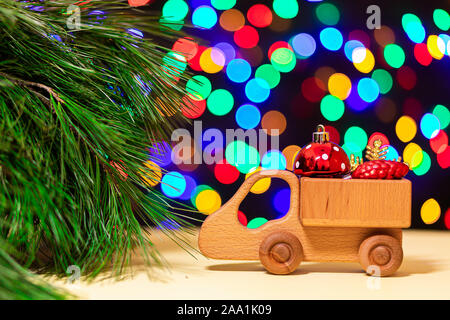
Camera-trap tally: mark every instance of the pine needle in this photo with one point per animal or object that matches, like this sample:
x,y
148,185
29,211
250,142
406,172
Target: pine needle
x,y
77,111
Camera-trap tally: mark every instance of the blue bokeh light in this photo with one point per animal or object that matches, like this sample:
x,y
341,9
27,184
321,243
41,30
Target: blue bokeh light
x,y
430,125
350,46
173,184
368,89
191,184
257,90
160,153
355,102
239,70
248,116
204,17
391,153
228,50
281,202
273,159
331,38
304,45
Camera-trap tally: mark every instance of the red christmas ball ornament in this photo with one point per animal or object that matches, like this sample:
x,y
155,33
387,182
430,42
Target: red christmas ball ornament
x,y
322,158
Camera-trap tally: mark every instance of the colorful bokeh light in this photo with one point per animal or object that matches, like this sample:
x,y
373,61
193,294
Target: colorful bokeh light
x,y
239,70
248,116
204,17
332,108
331,38
220,102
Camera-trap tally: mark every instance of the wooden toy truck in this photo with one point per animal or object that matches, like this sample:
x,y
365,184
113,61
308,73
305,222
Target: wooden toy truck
x,y
347,220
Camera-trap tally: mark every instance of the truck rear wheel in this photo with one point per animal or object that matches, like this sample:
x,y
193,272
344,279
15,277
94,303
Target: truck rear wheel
x,y
380,255
281,253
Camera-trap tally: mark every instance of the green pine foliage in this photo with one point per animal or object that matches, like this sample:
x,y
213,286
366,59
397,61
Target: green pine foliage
x,y
78,108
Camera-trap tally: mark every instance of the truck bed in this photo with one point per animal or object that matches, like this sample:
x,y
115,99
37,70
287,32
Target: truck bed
x,y
355,203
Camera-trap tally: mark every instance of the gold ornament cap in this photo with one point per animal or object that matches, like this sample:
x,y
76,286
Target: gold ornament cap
x,y
321,136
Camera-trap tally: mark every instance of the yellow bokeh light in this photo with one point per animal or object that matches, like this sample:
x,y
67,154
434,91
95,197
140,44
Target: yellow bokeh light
x,y
261,185
406,128
430,211
416,160
410,151
151,174
212,60
436,46
208,201
363,60
339,85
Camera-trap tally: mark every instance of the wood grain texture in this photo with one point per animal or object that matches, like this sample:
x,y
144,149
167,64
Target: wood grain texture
x,y
355,203
223,237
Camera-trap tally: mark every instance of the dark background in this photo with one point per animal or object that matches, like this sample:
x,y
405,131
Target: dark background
x,y
433,87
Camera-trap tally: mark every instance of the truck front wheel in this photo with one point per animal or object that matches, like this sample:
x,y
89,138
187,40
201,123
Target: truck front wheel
x,y
380,255
281,253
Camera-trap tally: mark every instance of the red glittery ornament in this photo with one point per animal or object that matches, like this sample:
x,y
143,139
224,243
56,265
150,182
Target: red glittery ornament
x,y
322,158
380,169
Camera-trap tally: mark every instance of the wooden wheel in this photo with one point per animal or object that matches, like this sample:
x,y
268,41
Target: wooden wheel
x,y
281,253
383,252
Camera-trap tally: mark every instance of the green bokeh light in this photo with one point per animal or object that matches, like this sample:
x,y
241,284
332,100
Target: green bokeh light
x,y
199,87
283,59
357,136
174,64
443,114
332,108
220,102
424,166
175,10
328,14
394,55
352,148
409,18
383,79
268,73
223,4
256,222
286,9
441,19
243,156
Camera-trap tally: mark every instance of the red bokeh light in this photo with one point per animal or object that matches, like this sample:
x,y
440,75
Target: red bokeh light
x,y
247,37
313,89
422,54
413,108
334,134
225,173
406,78
360,36
447,219
443,158
138,3
439,143
259,15
194,63
242,218
378,136
186,47
193,108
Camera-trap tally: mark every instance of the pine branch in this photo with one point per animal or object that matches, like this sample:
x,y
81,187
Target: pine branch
x,y
29,84
78,109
